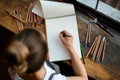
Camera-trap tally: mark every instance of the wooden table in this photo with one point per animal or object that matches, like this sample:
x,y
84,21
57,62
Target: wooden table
x,y
107,70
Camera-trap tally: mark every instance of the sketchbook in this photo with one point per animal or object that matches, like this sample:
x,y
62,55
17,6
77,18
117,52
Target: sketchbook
x,y
58,16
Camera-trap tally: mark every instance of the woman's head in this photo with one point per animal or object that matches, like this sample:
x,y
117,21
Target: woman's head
x,y
27,51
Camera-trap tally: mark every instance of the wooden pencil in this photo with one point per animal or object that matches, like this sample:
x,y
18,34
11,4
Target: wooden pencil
x,y
96,48
100,49
28,12
103,52
38,20
28,19
89,32
87,35
91,47
27,15
31,15
34,18
41,20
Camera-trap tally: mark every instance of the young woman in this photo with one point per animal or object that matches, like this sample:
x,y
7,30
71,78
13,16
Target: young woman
x,y
27,54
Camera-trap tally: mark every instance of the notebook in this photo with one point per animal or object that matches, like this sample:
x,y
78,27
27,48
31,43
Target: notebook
x,y
58,16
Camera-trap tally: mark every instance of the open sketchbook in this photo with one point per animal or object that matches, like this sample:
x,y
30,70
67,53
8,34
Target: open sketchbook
x,y
58,16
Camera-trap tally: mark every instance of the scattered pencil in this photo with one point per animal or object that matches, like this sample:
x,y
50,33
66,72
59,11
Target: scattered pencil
x,y
92,46
89,32
35,20
100,49
29,12
32,19
86,38
93,49
103,52
38,20
87,41
97,47
97,50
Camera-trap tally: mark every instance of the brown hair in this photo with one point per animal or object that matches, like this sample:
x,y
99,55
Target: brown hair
x,y
27,51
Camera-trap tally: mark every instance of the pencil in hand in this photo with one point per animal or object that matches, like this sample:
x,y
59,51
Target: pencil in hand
x,y
65,35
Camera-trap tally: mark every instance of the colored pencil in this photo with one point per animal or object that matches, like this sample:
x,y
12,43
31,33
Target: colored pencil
x,y
82,54
35,19
96,48
29,12
100,49
86,40
103,52
91,47
38,21
89,32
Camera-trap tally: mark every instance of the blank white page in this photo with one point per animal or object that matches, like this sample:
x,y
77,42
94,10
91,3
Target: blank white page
x,y
54,26
51,9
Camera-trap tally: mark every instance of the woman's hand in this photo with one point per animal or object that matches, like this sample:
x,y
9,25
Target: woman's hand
x,y
66,38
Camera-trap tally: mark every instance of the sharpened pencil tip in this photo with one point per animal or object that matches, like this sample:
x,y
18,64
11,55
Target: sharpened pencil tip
x,y
88,44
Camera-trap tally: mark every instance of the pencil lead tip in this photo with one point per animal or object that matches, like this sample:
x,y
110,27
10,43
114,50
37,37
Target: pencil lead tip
x,y
88,44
